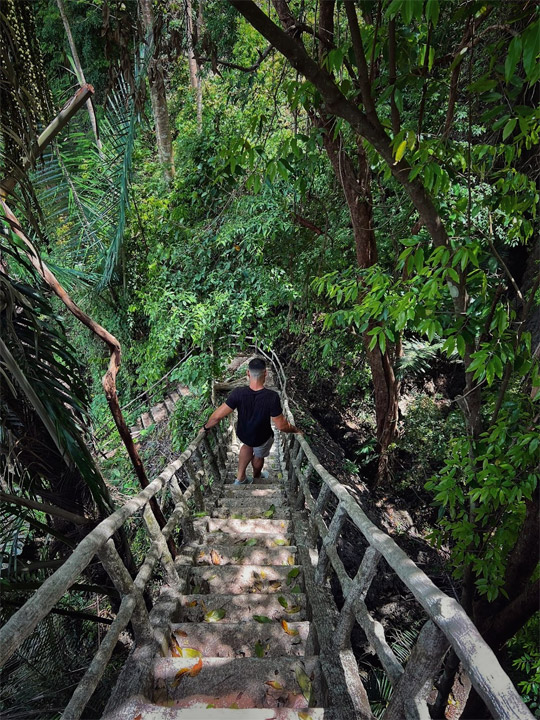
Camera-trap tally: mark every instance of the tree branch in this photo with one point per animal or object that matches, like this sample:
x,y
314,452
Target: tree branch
x,y
242,68
46,508
361,63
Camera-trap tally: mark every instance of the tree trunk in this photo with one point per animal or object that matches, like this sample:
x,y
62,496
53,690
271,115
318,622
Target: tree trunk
x,y
80,73
158,97
356,184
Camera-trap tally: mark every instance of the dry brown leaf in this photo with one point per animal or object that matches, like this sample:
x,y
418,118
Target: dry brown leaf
x,y
178,677
180,633
196,669
288,630
216,557
138,717
191,604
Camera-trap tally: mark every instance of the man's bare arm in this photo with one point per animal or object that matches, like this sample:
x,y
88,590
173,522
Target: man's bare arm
x,y
218,414
283,425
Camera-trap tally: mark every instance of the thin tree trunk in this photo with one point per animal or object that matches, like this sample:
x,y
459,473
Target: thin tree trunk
x,y
356,186
158,97
80,73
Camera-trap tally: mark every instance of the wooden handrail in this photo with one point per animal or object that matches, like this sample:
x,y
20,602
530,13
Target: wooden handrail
x,y
479,661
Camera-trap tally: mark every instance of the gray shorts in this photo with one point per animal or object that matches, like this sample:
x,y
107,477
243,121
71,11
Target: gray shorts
x,y
263,451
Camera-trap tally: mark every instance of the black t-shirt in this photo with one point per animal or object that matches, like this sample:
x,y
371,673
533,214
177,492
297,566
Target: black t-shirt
x,y
255,408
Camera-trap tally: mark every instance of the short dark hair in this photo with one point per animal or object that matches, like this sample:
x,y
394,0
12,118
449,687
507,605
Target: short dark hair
x,y
257,366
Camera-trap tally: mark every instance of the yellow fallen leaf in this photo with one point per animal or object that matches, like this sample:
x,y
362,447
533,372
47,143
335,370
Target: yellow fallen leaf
x,y
288,630
290,560
304,716
216,557
274,684
192,652
294,609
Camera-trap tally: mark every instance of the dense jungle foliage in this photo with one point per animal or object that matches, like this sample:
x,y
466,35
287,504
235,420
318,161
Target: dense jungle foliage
x,y
354,184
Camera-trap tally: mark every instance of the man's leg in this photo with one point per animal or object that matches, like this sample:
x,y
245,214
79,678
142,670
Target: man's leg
x,y
244,458
258,464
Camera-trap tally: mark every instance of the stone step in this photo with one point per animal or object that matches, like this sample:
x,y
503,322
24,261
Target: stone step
x,y
194,608
251,512
140,708
262,526
244,579
252,501
243,555
238,682
254,491
241,639
245,540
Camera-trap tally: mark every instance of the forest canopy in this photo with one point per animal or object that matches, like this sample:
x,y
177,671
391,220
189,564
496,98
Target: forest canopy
x,y
354,184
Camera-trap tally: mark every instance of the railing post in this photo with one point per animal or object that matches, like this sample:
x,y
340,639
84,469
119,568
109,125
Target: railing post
x,y
123,582
292,451
360,586
323,497
409,698
195,476
334,530
211,461
155,533
302,478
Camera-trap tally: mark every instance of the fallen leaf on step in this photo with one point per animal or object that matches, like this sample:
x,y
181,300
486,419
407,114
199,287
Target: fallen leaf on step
x,y
138,717
262,619
216,558
180,633
294,609
191,604
279,541
288,630
270,513
196,669
259,649
275,585
176,650
304,716
215,615
251,542
191,652
290,560
304,682
234,706
274,684
282,601
178,677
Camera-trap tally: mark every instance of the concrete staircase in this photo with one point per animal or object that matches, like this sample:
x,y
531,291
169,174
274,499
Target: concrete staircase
x,y
239,644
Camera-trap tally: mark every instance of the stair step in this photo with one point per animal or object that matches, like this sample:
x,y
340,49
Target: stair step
x,y
244,578
255,490
241,606
224,682
251,512
246,540
249,527
139,707
241,639
252,501
244,555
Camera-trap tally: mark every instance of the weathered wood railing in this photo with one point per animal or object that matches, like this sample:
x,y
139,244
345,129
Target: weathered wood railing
x,y
319,523
200,465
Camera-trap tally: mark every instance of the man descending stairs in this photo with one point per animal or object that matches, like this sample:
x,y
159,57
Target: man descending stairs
x,y
239,643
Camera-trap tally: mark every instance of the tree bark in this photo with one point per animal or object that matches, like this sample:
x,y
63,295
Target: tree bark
x,y
80,73
158,97
356,184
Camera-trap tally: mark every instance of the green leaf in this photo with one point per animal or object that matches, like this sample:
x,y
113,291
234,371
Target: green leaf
x,y
304,682
512,59
262,619
432,11
259,649
215,615
251,542
283,602
509,128
531,48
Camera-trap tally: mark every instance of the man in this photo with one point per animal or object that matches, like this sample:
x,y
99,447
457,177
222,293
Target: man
x,y
256,405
